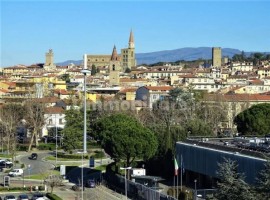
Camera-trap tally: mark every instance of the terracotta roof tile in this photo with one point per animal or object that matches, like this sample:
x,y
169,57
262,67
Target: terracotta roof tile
x,y
54,110
157,88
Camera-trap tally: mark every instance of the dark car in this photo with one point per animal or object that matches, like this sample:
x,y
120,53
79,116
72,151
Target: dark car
x,y
37,195
90,183
6,164
9,197
23,197
77,187
33,156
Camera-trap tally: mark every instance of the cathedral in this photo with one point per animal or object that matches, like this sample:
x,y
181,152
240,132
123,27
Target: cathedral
x,y
125,60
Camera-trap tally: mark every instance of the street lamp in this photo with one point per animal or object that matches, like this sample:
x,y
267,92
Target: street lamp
x,y
125,168
195,182
85,71
55,141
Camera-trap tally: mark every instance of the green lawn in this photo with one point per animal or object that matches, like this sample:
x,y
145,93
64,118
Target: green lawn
x,y
42,176
61,159
101,167
5,156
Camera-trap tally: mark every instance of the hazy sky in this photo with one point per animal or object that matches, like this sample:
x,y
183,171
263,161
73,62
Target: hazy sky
x,y
71,28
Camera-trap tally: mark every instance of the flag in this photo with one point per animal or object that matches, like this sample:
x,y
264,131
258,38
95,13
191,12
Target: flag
x,y
182,165
175,167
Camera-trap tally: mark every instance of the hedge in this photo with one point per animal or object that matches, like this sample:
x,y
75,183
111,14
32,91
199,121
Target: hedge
x,y
4,189
53,196
48,146
71,156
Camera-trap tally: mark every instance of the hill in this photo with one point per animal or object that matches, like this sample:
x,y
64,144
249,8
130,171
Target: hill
x,y
186,54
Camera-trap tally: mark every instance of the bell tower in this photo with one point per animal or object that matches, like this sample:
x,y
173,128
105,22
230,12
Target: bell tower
x,y
115,68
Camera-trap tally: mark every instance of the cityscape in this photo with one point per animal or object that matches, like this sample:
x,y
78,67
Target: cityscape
x,y
83,121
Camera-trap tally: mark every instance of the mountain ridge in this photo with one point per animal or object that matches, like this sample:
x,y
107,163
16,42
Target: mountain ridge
x,y
187,54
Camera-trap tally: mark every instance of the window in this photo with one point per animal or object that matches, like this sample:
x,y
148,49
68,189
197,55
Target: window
x,y
50,121
60,121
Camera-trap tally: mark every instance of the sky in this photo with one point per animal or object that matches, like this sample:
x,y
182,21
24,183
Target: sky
x,y
72,28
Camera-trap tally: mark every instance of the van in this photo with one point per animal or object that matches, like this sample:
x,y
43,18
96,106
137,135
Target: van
x,y
16,172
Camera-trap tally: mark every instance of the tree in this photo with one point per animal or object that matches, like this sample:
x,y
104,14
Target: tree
x,y
127,70
263,188
35,120
53,181
93,70
65,77
10,117
254,120
124,138
73,131
231,184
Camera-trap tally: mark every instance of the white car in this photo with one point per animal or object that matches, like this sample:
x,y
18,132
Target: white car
x,y
16,172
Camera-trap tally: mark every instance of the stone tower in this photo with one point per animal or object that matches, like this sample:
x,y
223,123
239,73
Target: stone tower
x,y
128,54
216,56
49,58
49,65
115,68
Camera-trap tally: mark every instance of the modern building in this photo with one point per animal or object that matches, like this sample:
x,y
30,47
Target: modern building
x,y
201,161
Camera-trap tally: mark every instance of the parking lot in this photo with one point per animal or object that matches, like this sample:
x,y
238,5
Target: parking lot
x,y
17,194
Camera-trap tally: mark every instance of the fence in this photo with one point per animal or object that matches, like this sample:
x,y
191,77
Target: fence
x,y
135,190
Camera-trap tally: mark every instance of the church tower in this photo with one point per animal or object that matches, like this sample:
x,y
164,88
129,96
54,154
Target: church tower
x,y
115,68
128,54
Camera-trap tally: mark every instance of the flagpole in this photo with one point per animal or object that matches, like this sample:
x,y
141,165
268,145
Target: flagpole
x,y
174,185
181,172
177,186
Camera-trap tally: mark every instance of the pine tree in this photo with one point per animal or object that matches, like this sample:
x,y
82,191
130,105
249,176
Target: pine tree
x,y
232,184
263,188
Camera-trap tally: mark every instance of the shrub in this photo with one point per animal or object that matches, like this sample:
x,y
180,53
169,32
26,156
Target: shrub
x,y
99,154
71,156
53,196
22,165
44,146
22,147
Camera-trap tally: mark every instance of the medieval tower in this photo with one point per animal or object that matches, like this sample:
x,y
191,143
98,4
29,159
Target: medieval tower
x,y
49,65
216,56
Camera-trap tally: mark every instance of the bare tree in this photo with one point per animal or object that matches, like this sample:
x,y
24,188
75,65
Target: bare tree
x,y
10,116
53,181
35,120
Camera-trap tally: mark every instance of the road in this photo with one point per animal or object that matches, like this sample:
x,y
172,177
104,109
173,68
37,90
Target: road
x,y
98,193
35,166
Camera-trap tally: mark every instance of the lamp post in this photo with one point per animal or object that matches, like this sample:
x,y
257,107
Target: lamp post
x,y
195,182
55,141
125,168
84,71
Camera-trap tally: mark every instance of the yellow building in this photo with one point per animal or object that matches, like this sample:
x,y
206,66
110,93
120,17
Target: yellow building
x,y
7,71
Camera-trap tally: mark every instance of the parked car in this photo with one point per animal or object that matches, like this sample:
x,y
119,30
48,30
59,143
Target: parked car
x,y
5,164
33,156
9,197
16,172
37,196
77,187
23,197
90,183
